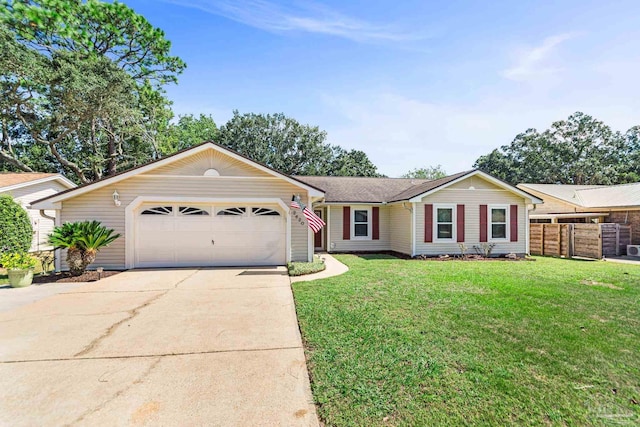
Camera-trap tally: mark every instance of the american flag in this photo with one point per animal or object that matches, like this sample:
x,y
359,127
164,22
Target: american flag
x,y
313,221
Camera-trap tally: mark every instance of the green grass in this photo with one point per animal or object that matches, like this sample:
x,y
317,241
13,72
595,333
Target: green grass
x,y
302,268
402,342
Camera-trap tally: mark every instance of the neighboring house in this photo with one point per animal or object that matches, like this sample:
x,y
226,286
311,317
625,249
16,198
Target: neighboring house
x,y
618,204
210,206
25,188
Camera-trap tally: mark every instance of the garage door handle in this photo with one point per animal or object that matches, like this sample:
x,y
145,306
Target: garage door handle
x,y
213,242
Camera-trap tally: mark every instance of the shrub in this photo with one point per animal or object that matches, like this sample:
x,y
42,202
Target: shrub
x,y
16,232
18,261
82,240
302,268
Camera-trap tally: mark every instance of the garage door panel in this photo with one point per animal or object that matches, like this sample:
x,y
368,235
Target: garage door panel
x,y
210,240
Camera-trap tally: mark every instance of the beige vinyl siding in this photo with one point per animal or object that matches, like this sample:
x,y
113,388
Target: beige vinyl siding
x,y
42,226
98,205
550,204
472,199
337,244
197,164
400,228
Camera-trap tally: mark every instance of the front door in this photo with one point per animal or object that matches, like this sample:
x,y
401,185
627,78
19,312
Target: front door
x,y
318,238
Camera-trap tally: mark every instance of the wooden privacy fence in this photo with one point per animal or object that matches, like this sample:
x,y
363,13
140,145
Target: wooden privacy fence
x,y
582,240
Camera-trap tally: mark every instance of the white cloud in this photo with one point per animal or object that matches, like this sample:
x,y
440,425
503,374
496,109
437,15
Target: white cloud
x,y
310,18
534,62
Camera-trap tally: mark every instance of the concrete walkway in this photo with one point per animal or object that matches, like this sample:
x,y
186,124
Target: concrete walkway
x,y
11,298
334,268
216,347
624,260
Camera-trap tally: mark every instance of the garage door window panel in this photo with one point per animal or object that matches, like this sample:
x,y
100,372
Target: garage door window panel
x,y
158,210
192,211
264,212
236,211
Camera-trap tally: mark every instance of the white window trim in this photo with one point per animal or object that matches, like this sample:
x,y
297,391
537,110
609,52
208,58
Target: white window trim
x,y
507,218
454,220
369,222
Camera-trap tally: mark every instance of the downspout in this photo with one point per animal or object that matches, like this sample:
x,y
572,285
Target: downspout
x,y
52,218
413,229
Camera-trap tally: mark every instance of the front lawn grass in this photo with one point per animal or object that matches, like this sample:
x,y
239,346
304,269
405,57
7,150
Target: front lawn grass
x,y
403,342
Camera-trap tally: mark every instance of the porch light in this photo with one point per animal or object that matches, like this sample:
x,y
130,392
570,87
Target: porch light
x,y
116,198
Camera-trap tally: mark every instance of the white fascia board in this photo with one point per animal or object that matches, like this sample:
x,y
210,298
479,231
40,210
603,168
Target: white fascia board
x,y
530,198
46,205
61,179
163,162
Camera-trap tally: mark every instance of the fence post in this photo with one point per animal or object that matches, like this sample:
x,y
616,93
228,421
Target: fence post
x,y
572,239
542,240
617,239
559,240
599,241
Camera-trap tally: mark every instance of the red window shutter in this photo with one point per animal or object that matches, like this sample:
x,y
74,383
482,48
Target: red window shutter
x,y
514,223
460,223
375,213
483,223
346,223
428,223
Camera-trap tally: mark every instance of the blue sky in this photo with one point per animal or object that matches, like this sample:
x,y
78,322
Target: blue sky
x,y
412,83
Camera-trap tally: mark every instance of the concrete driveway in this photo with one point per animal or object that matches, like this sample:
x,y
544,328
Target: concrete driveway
x,y
158,347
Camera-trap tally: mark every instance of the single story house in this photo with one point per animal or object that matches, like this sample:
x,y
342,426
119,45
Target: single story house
x,y
25,187
563,203
210,206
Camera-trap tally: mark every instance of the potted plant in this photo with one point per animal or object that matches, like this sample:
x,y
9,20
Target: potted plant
x,y
19,268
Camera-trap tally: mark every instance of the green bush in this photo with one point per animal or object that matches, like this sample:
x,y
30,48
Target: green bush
x,y
16,232
302,268
18,261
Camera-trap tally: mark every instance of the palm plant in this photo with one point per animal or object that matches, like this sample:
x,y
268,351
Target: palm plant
x,y
82,240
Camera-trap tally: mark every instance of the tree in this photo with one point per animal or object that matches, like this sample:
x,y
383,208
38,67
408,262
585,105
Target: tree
x,y
187,132
84,80
430,172
290,147
579,150
16,231
350,163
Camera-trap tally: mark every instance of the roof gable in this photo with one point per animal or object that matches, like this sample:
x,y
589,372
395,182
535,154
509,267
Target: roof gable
x,y
200,162
449,181
156,165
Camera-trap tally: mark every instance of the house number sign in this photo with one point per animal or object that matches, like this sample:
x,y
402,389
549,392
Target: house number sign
x,y
297,216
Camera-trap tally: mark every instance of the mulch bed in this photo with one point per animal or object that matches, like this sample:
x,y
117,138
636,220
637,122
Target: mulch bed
x,y
66,277
470,257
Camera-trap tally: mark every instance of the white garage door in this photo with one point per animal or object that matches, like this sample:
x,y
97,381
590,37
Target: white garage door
x,y
194,235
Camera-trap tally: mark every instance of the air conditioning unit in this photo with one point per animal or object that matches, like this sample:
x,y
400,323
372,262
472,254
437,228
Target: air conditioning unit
x,y
633,250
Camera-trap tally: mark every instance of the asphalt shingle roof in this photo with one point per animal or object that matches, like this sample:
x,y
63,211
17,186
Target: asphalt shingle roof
x,y
591,196
7,179
343,189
